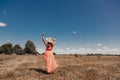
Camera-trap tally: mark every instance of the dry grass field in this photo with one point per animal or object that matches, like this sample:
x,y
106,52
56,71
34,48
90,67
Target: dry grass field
x,y
31,67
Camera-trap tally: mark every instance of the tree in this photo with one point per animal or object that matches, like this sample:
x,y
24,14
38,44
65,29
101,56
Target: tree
x,y
6,48
30,48
18,49
1,51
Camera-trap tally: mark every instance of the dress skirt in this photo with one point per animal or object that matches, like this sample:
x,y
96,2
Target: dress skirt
x,y
50,61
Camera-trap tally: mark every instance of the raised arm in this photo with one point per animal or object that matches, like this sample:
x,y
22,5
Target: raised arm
x,y
54,42
43,39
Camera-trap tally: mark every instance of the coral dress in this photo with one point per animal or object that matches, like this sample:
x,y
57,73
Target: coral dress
x,y
49,59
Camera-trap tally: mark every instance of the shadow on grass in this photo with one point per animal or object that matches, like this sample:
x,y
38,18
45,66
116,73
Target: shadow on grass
x,y
39,70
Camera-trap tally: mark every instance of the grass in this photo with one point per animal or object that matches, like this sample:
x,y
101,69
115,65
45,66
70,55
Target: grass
x,y
31,67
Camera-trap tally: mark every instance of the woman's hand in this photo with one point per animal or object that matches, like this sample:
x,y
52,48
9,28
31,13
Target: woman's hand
x,y
43,33
54,41
44,41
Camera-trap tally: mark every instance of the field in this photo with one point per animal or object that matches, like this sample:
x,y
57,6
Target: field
x,y
31,67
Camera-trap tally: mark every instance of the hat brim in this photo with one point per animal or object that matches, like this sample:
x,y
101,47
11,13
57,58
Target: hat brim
x,y
51,40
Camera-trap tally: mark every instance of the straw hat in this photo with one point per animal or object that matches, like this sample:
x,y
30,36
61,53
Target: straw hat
x,y
50,39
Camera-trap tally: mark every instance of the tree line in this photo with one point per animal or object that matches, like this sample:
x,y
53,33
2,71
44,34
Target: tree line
x,y
8,48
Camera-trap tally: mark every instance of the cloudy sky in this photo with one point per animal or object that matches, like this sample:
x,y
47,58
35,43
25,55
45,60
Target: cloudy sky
x,y
78,25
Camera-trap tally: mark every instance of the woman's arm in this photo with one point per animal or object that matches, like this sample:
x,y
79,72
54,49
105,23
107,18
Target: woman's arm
x,y
54,42
43,39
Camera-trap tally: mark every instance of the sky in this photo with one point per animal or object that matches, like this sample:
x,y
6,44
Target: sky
x,y
80,26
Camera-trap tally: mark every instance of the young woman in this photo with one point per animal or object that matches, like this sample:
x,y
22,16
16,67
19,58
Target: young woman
x,y
48,56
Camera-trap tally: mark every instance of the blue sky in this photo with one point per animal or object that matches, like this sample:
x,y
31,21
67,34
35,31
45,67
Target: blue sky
x,y
75,23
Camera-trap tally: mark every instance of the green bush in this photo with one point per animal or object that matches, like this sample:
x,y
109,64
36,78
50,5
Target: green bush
x,y
6,48
30,48
17,49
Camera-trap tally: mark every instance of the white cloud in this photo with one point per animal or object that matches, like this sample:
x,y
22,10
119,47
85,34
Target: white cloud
x,y
105,47
81,50
3,24
74,32
8,40
99,44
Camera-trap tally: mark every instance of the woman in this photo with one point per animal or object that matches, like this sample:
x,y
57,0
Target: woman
x,y
48,56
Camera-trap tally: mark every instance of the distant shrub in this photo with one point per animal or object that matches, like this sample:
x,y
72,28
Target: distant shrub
x,y
17,49
1,51
76,55
54,53
6,48
30,48
98,56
